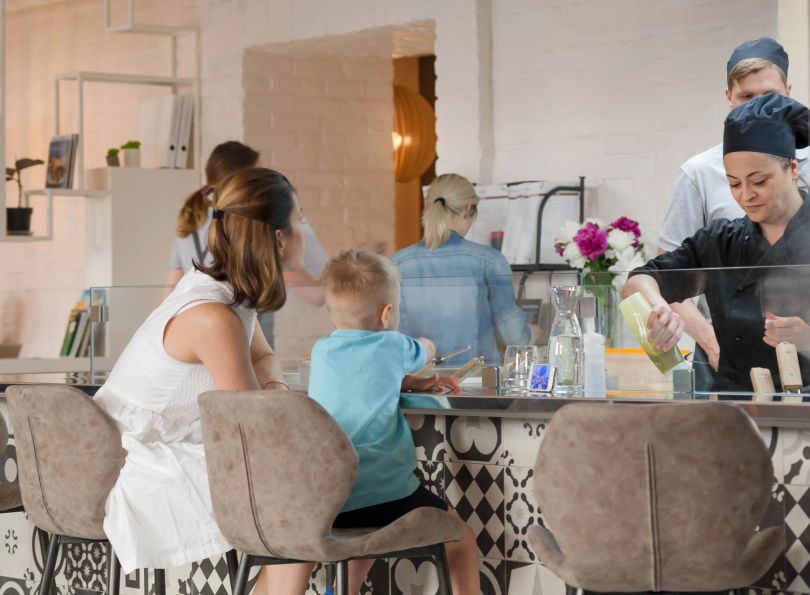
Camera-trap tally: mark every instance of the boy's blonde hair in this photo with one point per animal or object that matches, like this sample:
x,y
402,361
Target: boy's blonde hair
x,y
356,284
751,66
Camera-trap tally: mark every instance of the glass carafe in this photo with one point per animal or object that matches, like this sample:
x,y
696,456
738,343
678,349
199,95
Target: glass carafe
x,y
565,346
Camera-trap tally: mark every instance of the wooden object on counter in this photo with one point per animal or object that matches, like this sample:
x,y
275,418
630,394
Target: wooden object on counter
x,y
468,368
762,382
789,371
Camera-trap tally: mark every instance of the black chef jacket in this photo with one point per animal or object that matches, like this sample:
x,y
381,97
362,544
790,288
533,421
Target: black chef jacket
x,y
739,297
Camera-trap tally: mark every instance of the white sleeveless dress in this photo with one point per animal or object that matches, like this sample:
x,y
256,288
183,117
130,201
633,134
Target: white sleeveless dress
x,y
159,513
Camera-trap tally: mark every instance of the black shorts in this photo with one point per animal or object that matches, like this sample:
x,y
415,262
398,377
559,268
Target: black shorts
x,y
386,513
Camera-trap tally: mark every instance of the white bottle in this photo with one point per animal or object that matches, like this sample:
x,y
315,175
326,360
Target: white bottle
x,y
594,361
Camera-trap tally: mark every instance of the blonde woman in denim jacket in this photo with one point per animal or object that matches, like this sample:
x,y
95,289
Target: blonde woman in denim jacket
x,y
456,292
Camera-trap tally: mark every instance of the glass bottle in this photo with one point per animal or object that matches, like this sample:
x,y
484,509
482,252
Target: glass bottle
x,y
565,346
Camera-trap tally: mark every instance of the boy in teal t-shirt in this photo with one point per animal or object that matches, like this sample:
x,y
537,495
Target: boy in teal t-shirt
x,y
356,375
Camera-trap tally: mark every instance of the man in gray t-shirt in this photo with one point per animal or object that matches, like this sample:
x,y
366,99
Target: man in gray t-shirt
x,y
702,193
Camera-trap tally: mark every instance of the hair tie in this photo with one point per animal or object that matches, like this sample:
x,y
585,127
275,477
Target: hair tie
x,y
441,201
206,190
217,214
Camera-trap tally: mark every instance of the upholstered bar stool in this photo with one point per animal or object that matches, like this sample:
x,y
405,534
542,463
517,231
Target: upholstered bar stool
x,y
69,455
654,498
280,469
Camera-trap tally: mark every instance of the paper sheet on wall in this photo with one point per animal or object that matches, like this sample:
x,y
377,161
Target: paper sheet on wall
x,y
491,217
520,235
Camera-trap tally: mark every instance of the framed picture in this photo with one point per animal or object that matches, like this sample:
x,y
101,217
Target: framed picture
x,y
541,378
61,155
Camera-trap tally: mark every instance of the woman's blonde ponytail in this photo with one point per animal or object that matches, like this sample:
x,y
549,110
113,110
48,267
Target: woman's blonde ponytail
x,y
448,194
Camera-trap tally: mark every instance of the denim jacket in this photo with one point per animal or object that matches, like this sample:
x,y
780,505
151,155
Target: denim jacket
x,y
460,294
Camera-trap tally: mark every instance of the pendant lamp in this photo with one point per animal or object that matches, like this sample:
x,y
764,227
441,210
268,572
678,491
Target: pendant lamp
x,y
414,136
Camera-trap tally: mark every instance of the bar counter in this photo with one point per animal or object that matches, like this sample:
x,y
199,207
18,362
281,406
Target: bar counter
x,y
477,449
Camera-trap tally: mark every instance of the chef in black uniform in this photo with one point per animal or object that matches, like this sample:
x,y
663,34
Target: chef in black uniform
x,y
760,303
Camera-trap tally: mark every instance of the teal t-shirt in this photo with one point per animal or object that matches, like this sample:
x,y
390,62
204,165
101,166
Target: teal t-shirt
x,y
356,376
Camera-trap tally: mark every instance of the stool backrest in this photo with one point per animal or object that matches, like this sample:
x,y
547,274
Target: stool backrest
x,y
69,455
644,497
279,469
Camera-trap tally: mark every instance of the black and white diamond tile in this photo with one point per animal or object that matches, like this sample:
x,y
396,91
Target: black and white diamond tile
x,y
474,439
521,440
476,493
797,535
796,455
520,513
428,436
431,475
210,577
531,579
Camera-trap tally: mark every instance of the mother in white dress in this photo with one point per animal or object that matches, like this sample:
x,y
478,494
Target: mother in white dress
x,y
203,336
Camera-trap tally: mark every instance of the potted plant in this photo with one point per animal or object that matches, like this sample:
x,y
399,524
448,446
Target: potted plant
x,y
18,220
132,153
112,157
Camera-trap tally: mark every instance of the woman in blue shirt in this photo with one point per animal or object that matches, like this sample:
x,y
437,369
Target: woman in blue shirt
x,y
456,292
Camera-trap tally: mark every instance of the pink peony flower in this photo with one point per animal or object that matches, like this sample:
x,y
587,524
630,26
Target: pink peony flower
x,y
559,248
592,241
626,224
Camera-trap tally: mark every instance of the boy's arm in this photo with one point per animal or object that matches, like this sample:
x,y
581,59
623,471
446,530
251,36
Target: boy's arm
x,y
429,346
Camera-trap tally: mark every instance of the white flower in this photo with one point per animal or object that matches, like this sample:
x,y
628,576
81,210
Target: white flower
x,y
568,231
647,248
574,256
596,221
626,260
618,240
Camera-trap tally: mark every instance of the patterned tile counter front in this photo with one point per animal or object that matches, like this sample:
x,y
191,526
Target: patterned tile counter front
x,y
483,465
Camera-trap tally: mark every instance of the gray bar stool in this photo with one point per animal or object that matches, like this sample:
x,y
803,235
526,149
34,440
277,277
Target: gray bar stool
x,y
69,455
660,497
280,469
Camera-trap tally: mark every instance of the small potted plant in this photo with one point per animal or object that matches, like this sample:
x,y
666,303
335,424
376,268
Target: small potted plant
x,y
112,157
132,153
18,220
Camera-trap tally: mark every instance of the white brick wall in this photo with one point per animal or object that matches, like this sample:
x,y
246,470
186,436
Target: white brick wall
x,y
621,92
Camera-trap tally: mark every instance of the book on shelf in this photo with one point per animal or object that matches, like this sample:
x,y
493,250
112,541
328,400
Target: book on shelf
x,y
70,331
82,330
61,158
76,342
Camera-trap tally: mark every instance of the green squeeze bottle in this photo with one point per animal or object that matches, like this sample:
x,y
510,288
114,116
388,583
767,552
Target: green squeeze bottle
x,y
636,311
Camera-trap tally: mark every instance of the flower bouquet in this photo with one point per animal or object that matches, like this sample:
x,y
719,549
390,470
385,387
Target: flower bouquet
x,y
605,254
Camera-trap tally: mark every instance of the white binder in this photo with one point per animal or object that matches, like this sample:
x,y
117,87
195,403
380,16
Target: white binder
x,y
183,143
158,131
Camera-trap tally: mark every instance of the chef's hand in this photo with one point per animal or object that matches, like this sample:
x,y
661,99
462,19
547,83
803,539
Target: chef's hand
x,y
790,329
666,328
435,384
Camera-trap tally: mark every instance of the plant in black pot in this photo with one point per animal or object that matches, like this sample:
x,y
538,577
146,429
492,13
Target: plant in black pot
x,y
18,220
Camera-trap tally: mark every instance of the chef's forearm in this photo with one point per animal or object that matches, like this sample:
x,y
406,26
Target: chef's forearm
x,y
648,287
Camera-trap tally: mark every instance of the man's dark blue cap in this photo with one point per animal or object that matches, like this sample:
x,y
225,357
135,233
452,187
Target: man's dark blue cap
x,y
771,124
765,48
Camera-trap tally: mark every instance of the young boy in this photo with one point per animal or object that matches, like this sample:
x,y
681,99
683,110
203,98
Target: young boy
x,y
357,374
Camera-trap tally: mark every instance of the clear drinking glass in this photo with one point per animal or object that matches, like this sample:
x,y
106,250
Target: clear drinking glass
x,y
517,361
565,346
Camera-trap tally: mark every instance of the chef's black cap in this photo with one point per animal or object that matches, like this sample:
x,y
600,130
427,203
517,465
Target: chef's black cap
x,y
765,48
770,124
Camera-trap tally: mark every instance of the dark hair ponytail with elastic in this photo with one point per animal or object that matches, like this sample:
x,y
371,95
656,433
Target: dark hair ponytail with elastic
x,y
226,159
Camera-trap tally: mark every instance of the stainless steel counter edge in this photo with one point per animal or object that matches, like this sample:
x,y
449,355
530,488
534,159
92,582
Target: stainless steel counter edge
x,y
489,404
